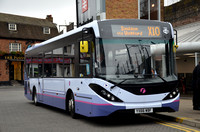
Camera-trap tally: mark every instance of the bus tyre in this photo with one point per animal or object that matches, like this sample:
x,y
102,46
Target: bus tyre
x,y
71,106
35,98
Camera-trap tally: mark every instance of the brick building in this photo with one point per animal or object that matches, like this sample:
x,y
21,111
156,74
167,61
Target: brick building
x,y
16,34
133,9
88,10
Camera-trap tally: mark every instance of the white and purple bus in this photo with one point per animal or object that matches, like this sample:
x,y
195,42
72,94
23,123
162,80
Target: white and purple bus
x,y
104,67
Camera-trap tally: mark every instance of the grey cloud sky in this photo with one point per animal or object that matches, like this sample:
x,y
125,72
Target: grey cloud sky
x,y
63,11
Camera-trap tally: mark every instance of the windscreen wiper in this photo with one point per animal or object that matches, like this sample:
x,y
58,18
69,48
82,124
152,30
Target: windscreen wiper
x,y
161,78
157,76
119,83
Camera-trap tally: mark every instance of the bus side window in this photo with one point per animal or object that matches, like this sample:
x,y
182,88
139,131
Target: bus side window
x,y
48,64
57,60
28,66
69,67
40,58
34,67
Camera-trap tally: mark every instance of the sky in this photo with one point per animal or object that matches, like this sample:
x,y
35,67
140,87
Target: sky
x,y
62,11
169,2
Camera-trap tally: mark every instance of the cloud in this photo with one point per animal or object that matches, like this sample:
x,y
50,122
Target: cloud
x,y
61,10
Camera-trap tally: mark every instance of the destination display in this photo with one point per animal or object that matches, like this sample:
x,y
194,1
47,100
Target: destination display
x,y
136,31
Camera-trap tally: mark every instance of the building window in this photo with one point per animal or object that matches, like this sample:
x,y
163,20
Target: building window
x,y
46,30
14,47
143,9
12,27
154,10
149,9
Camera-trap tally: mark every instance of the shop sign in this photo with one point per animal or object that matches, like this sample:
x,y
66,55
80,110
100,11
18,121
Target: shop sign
x,y
84,5
10,57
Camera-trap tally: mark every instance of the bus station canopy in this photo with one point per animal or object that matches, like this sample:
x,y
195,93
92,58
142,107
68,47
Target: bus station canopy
x,y
188,38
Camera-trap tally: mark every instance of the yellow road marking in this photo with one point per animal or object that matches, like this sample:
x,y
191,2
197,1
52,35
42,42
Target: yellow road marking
x,y
180,119
178,127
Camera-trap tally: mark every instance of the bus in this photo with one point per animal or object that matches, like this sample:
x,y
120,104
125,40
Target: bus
x,y
106,67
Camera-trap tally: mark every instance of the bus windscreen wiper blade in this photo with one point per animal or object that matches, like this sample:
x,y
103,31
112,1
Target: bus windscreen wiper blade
x,y
118,83
161,78
156,75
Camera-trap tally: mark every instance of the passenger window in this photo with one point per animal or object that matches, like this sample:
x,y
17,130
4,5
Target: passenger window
x,y
69,67
48,64
35,70
28,67
40,60
57,61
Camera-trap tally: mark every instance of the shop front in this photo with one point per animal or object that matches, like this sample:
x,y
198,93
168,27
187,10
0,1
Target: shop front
x,y
11,68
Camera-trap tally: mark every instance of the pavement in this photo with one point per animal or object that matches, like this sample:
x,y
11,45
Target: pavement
x,y
186,115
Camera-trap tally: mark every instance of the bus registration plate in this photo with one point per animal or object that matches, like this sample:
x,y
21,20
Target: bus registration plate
x,y
144,110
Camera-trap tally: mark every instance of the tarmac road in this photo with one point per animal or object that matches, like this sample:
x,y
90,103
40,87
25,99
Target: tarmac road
x,y
17,114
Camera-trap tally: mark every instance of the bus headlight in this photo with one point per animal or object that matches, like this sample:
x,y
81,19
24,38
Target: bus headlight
x,y
113,98
172,94
104,93
108,95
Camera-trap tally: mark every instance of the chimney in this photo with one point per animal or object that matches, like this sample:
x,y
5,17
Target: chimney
x,y
49,18
70,26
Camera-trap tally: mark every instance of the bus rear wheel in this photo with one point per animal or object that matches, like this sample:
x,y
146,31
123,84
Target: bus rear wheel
x,y
71,106
35,101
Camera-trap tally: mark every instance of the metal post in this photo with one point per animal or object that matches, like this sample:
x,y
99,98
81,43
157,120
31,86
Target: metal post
x,y
138,9
77,21
159,17
149,10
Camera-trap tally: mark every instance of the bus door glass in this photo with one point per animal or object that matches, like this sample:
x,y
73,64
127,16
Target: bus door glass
x,y
85,67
